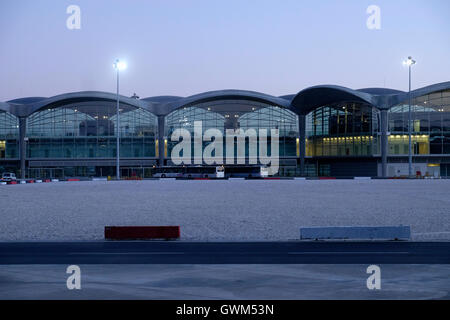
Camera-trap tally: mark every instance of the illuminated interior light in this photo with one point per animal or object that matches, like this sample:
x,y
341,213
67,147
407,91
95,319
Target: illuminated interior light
x,y
433,165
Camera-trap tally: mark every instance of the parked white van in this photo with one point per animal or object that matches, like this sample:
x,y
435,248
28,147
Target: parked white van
x,y
8,176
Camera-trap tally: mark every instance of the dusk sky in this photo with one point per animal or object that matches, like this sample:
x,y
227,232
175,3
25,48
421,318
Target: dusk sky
x,y
186,47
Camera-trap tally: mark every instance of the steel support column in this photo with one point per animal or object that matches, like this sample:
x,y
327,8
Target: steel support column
x,y
22,145
384,142
161,142
302,142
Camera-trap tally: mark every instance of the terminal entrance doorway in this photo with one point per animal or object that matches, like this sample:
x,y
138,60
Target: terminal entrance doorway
x,y
45,173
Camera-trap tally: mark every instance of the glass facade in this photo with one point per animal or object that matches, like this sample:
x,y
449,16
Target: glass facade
x,y
430,125
336,135
347,129
237,114
88,131
275,118
9,136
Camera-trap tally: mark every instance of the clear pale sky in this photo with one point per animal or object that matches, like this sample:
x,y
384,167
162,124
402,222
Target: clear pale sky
x,y
184,47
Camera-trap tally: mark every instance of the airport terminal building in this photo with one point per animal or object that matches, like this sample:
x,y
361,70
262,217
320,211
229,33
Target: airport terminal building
x,y
323,130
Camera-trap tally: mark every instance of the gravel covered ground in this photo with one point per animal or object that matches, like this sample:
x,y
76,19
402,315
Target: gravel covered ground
x,y
222,210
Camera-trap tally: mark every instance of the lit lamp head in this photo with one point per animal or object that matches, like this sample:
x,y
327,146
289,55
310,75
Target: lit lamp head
x,y
409,62
119,65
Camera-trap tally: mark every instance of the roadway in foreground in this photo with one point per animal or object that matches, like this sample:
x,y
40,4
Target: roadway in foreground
x,y
180,252
230,282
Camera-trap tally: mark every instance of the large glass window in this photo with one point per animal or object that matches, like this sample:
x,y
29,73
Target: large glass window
x,y
275,118
237,114
430,125
346,129
9,136
88,131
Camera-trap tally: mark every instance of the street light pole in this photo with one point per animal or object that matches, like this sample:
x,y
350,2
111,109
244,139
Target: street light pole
x,y
410,170
409,62
118,65
118,129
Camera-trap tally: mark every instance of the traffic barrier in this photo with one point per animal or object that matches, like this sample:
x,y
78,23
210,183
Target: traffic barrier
x,y
132,178
73,179
356,233
47,180
194,178
30,181
299,178
327,178
12,182
38,181
140,232
2,182
269,178
362,178
22,182
55,180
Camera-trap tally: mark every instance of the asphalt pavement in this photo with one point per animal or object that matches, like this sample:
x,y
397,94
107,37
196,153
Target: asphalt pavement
x,y
181,252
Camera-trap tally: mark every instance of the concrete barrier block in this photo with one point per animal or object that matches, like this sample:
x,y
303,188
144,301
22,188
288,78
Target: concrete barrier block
x,y
362,178
141,232
22,182
55,180
357,233
38,181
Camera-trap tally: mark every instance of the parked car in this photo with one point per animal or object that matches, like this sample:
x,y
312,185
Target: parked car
x,y
8,176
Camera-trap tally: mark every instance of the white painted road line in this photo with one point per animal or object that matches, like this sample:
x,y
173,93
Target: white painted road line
x,y
124,253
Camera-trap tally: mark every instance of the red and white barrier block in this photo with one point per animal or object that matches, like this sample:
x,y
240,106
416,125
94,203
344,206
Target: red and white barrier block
x,y
142,233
